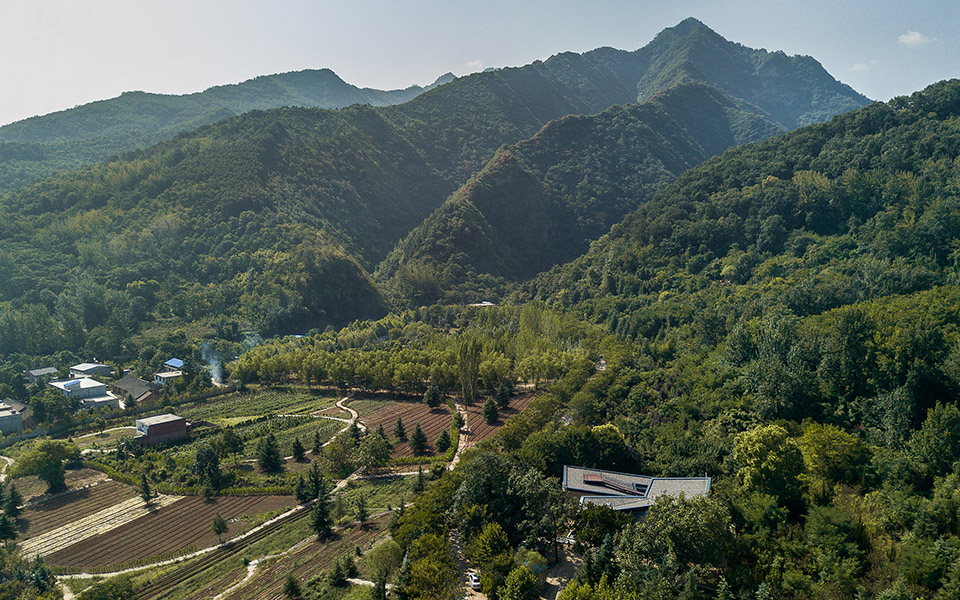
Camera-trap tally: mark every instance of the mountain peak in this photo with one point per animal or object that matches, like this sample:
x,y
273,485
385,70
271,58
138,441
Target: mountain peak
x,y
685,27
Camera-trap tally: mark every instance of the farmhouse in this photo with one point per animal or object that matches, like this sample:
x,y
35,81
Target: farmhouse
x,y
625,491
90,370
35,374
11,417
131,385
161,428
90,392
162,378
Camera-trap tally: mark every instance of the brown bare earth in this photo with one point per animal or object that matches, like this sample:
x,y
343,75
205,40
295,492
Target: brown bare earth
x,y
431,421
181,527
66,508
479,428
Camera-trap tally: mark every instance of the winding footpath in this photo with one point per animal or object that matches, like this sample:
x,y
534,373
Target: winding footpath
x,y
354,416
253,566
7,462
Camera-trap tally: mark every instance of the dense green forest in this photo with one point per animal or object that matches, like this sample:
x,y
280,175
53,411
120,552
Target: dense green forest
x,y
794,322
271,221
41,146
540,202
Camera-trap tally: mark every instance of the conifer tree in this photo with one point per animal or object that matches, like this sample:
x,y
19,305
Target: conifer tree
x,y
13,503
317,446
503,395
268,455
418,440
432,396
443,441
320,519
297,450
302,491
399,431
490,412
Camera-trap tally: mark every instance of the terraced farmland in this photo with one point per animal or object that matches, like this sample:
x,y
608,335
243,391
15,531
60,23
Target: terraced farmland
x,y
101,522
176,529
478,426
71,506
432,421
308,561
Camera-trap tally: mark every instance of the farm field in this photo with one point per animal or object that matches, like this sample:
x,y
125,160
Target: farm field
x,y
32,488
432,421
309,561
224,410
179,528
66,508
479,428
380,493
366,406
105,439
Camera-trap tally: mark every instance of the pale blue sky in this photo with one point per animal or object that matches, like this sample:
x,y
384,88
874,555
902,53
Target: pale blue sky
x,y
60,53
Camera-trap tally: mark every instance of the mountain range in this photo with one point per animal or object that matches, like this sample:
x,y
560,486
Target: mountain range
x,y
40,146
274,220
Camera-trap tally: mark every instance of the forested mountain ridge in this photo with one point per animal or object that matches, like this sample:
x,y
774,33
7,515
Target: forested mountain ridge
x,y
849,210
40,146
222,220
792,91
541,201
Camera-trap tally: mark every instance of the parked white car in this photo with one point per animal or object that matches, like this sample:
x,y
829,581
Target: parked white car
x,y
473,580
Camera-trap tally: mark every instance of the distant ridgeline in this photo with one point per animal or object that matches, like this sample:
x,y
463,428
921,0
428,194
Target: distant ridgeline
x,y
41,146
273,220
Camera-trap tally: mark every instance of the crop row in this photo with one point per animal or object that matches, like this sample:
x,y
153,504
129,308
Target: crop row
x,y
66,508
180,527
432,421
173,579
478,426
308,561
257,403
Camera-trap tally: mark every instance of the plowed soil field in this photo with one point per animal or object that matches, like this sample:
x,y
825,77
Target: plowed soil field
x,y
431,421
66,508
181,527
479,428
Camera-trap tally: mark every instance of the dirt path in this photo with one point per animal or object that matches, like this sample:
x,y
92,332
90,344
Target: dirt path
x,y
7,462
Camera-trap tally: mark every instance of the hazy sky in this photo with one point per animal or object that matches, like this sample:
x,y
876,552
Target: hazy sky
x,y
60,53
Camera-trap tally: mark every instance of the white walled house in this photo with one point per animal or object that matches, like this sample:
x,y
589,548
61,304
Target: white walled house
x,y
90,392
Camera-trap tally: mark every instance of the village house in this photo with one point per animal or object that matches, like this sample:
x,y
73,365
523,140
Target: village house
x,y
133,387
35,374
90,370
626,491
90,392
163,378
11,417
161,428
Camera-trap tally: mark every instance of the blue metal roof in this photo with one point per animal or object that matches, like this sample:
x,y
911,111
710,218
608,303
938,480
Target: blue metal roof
x,y
176,363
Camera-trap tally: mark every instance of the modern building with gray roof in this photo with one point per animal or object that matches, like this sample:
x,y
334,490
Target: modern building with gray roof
x,y
626,491
34,374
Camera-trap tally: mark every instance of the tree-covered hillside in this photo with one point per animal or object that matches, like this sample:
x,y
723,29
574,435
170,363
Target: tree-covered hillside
x,y
268,220
540,202
41,146
777,84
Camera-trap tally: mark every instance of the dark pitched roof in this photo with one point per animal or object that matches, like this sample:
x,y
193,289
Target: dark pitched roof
x,y
133,385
